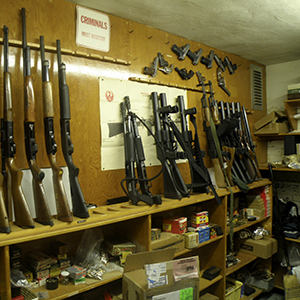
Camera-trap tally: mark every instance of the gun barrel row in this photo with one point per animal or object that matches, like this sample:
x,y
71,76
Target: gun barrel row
x,y
17,200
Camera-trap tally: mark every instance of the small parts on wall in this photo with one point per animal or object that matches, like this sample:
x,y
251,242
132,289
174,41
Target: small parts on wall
x,y
159,63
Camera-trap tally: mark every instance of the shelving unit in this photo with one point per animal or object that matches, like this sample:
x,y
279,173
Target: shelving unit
x,y
133,223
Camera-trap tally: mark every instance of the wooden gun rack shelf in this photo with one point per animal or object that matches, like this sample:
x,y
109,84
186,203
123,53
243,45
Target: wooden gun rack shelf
x,y
137,220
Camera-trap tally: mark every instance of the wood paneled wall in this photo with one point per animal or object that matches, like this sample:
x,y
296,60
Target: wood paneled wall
x,y
139,44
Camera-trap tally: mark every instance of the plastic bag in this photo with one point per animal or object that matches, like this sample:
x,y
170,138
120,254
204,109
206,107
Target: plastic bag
x,y
89,244
17,279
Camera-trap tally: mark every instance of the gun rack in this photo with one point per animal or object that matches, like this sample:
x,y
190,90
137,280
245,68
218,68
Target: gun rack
x,y
151,81
16,43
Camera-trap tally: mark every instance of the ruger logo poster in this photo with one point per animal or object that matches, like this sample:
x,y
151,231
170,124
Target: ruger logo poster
x,y
92,29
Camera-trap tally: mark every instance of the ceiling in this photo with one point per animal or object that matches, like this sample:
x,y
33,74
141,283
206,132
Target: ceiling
x,y
265,31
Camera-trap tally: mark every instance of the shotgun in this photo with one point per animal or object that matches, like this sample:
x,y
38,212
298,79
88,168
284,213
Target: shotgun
x,y
62,204
4,220
80,209
22,213
43,214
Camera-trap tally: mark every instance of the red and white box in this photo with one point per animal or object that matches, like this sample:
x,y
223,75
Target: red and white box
x,y
200,219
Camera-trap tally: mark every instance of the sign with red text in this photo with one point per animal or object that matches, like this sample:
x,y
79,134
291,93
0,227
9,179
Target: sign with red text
x,y
92,29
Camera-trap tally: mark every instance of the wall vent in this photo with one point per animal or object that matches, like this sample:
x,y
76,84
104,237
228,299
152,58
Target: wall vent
x,y
256,87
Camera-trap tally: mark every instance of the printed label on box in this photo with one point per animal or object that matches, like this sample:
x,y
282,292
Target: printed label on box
x,y
176,295
185,268
154,277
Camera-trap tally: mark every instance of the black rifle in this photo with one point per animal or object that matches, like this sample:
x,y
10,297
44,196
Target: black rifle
x,y
248,140
80,209
199,174
134,155
166,150
62,204
43,214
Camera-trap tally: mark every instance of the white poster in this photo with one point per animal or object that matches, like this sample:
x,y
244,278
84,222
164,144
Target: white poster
x,y
92,29
112,93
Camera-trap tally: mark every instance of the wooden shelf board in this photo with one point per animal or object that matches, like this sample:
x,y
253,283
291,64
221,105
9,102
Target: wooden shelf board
x,y
66,291
199,246
283,169
254,295
293,240
110,214
205,283
246,225
244,260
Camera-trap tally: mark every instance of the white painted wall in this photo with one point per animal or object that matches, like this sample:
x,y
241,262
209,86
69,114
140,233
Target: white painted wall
x,y
278,77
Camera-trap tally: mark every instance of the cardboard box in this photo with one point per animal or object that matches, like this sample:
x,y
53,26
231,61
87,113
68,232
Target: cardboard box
x,y
169,240
263,248
134,282
117,246
270,124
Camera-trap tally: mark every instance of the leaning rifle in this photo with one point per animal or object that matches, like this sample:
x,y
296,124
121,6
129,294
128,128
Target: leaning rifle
x,y
21,209
199,174
43,214
212,150
4,220
80,209
134,156
167,154
62,204
248,140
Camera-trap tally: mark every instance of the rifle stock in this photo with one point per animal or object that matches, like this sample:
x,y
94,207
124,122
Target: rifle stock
x,y
22,213
79,205
43,214
62,204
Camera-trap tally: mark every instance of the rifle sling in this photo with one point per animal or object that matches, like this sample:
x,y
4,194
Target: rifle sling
x,y
192,160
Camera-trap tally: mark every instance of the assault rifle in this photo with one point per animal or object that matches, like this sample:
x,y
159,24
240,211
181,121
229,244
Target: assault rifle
x,y
212,150
62,204
199,174
134,154
4,220
43,214
166,150
80,209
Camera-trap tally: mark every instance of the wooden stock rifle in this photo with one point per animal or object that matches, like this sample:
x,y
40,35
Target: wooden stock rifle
x,y
43,214
80,209
62,204
4,220
212,150
23,216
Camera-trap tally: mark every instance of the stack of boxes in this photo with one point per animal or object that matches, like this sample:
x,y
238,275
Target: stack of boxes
x,y
176,225
77,274
200,221
39,264
259,205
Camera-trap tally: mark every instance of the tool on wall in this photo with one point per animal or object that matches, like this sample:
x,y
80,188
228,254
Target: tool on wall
x,y
208,60
182,51
195,56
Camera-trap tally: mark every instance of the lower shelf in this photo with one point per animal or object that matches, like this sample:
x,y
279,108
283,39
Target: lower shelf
x,y
253,296
65,291
205,283
244,260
